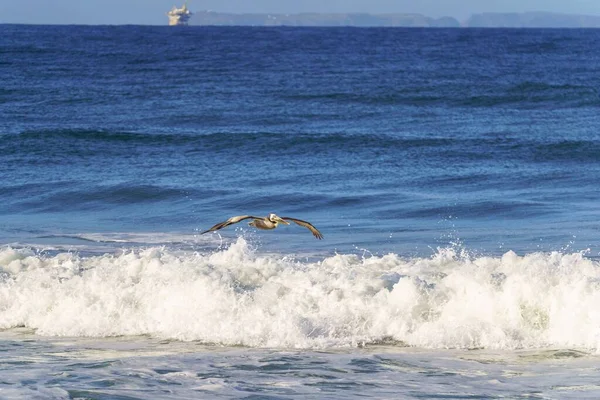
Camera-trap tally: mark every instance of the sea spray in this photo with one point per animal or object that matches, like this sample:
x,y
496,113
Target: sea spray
x,y
238,296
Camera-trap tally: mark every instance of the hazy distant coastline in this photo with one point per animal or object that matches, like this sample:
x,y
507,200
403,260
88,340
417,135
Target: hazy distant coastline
x,y
320,19
532,20
483,20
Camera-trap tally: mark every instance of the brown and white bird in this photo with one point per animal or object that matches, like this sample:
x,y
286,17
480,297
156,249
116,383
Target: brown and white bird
x,y
269,222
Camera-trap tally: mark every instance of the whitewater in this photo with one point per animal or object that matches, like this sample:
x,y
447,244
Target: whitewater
x,y
237,322
237,296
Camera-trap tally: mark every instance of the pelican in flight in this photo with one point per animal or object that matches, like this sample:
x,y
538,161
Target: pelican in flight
x,y
269,222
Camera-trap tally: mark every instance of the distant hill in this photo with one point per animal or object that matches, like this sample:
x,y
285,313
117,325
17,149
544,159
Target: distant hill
x,y
532,20
318,19
484,20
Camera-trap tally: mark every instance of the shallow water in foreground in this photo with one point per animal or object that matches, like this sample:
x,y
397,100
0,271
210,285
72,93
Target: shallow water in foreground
x,y
141,368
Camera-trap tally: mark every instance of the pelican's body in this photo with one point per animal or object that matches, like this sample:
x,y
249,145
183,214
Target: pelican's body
x,y
269,222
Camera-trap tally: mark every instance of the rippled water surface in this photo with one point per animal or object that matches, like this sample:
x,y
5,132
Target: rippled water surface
x,y
141,368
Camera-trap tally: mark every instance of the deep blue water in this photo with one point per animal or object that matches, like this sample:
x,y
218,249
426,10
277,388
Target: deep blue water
x,y
386,139
471,156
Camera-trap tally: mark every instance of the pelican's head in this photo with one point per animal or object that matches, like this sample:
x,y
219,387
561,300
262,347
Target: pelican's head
x,y
275,219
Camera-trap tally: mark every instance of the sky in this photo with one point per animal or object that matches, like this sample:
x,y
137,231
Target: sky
x,y
152,12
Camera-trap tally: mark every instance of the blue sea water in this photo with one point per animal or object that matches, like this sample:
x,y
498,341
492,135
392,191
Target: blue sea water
x,y
453,173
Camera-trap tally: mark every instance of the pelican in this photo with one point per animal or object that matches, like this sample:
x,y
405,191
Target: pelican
x,y
269,222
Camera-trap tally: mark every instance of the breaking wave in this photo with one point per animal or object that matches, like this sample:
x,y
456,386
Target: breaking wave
x,y
239,296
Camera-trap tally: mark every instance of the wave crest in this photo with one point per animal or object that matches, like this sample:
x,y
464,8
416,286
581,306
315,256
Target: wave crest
x,y
238,296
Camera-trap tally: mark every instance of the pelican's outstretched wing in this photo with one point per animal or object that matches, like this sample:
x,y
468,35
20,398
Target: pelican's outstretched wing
x,y
305,224
230,221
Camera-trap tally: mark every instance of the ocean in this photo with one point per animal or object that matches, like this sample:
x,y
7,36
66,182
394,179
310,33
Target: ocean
x,y
452,172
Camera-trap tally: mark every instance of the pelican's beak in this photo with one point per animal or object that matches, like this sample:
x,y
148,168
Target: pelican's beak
x,y
283,221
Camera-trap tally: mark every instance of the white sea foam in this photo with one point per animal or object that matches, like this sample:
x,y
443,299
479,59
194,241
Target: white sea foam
x,y
239,296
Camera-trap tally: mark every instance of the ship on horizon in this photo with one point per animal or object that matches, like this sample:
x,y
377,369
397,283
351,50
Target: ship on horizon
x,y
179,16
